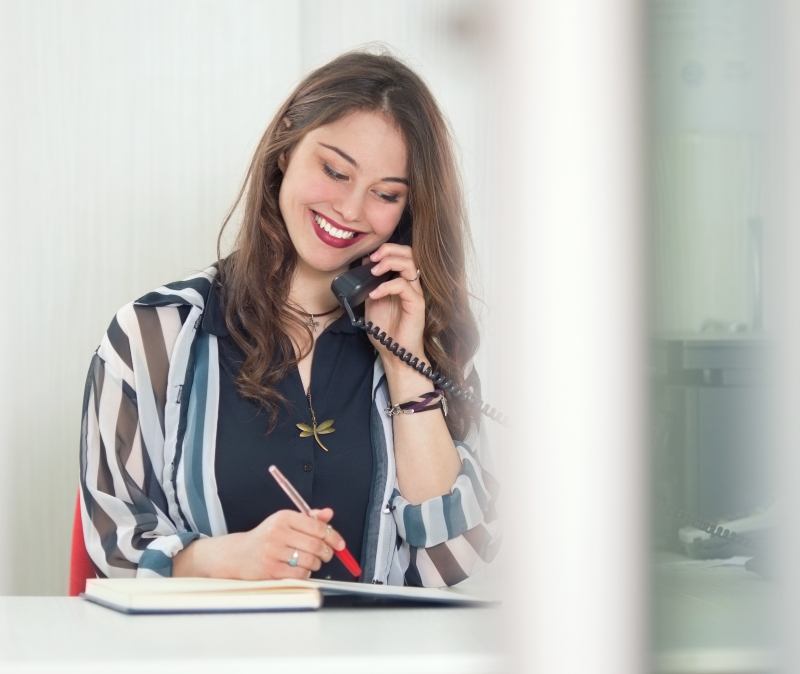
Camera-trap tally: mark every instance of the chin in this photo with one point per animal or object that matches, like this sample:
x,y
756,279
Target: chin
x,y
328,266
340,261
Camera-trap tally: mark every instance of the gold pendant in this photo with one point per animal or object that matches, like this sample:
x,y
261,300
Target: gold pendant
x,y
316,430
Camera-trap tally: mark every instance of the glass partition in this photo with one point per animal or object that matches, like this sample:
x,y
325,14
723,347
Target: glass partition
x,y
710,334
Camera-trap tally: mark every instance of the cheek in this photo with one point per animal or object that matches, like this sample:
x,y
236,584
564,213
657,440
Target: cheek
x,y
308,191
384,220
320,190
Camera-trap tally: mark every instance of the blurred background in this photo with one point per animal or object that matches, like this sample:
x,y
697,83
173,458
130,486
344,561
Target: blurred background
x,y
709,87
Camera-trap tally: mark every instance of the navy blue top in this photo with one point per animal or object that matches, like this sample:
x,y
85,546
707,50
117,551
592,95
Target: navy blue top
x,y
341,478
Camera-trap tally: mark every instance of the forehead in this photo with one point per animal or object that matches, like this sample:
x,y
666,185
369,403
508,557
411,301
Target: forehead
x,y
371,138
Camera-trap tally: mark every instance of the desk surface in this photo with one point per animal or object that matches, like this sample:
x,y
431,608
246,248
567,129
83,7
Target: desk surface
x,y
712,617
65,635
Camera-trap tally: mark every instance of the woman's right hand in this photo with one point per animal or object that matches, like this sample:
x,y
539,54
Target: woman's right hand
x,y
264,552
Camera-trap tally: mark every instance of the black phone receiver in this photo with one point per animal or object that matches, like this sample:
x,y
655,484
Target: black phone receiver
x,y
358,282
355,284
402,233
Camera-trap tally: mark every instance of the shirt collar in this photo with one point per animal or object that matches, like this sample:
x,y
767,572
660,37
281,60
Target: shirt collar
x,y
214,317
214,313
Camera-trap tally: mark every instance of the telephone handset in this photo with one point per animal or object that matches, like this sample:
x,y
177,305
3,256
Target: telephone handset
x,y
358,282
352,287
744,536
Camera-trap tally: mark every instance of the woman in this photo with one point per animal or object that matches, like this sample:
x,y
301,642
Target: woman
x,y
200,385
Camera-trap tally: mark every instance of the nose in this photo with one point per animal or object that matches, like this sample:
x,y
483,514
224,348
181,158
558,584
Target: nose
x,y
349,206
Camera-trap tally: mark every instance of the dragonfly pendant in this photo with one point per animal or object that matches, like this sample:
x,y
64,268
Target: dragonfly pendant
x,y
316,430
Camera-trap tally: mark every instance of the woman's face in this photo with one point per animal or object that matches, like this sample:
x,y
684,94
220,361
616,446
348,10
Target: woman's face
x,y
344,190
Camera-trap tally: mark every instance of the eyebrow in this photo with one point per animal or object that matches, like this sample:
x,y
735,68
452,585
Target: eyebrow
x,y
352,161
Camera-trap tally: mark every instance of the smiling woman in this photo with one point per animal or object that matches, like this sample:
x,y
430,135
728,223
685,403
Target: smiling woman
x,y
200,385
345,203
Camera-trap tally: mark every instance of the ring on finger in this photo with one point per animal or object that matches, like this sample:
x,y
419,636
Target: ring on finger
x,y
417,277
294,558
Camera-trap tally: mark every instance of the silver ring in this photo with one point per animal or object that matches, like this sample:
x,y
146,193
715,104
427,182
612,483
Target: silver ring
x,y
293,559
416,278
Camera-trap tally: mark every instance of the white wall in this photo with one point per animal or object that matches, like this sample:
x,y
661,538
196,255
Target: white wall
x,y
125,131
707,78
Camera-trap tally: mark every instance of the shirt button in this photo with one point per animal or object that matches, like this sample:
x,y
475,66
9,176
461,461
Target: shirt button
x,y
307,467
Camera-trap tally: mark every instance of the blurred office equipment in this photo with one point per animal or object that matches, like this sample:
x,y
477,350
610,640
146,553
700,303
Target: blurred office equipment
x,y
708,319
709,422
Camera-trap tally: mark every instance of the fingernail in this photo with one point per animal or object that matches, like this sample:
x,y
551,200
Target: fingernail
x,y
340,545
374,256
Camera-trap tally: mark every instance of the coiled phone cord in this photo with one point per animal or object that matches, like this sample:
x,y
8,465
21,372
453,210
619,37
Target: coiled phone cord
x,y
422,367
714,529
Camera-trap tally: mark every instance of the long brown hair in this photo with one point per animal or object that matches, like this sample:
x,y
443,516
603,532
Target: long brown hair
x,y
256,277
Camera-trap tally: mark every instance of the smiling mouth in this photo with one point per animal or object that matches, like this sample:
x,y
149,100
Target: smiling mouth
x,y
333,234
341,233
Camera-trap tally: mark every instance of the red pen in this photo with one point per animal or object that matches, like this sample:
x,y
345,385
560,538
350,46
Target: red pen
x,y
344,555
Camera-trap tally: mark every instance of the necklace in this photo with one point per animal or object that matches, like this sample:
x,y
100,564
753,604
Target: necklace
x,y
315,429
310,322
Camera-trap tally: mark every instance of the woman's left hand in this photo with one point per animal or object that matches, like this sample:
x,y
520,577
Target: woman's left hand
x,y
397,306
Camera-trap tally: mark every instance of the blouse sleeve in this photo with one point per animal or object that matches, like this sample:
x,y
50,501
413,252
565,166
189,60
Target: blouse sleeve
x,y
126,522
447,538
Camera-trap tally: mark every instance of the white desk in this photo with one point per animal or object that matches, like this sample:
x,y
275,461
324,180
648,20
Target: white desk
x,y
712,618
69,635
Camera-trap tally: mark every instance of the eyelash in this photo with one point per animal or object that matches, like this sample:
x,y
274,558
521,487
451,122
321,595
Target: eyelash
x,y
333,174
340,177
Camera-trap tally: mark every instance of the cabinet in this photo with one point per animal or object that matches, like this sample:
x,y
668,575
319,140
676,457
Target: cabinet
x,y
710,430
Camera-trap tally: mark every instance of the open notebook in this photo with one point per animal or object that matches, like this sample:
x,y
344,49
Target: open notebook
x,y
202,595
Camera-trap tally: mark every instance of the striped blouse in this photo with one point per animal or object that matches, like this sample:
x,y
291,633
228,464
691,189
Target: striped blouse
x,y
148,437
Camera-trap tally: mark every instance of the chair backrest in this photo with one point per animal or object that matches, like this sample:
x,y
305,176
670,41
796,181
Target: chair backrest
x,y
80,565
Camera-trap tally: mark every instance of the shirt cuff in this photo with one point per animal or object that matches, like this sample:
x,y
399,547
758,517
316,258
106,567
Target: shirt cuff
x,y
156,560
442,518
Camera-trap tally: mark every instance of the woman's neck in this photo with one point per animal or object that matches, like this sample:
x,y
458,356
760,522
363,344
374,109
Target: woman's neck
x,y
311,290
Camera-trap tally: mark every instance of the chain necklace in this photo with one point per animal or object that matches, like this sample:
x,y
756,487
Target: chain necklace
x,y
310,322
326,426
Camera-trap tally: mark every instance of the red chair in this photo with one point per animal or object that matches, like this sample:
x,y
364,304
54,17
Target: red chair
x,y
80,565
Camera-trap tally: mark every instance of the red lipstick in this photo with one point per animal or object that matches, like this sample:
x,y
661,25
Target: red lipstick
x,y
328,238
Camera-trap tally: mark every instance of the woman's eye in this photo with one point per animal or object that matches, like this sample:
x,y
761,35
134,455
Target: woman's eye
x,y
389,198
333,174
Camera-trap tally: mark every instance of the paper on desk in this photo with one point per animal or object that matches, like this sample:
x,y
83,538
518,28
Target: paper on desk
x,y
738,560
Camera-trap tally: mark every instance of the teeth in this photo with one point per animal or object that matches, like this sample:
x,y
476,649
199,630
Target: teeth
x,y
333,231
